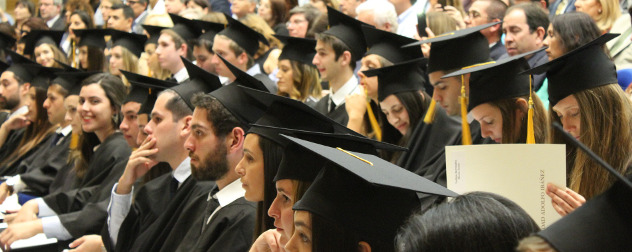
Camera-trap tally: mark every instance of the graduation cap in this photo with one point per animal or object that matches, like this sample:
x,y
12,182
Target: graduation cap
x,y
364,193
293,165
71,80
44,75
153,87
36,38
604,223
457,49
402,77
199,81
348,30
154,33
288,113
6,40
186,28
91,37
135,43
210,29
138,93
243,78
21,66
3,66
580,69
298,49
243,107
243,35
389,45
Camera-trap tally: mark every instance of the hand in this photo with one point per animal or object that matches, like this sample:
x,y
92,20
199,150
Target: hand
x,y
19,231
28,212
425,48
564,200
268,241
87,243
355,103
5,191
16,122
138,165
455,14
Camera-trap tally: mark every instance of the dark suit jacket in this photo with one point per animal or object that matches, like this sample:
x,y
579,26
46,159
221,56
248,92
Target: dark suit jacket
x,y
537,59
339,114
60,24
570,7
498,50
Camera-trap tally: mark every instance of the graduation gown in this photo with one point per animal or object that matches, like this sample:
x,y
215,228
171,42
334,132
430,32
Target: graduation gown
x,y
171,226
84,210
13,168
230,229
339,114
150,202
40,169
270,85
65,180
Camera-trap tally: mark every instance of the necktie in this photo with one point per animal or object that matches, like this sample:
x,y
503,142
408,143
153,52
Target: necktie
x,y
561,7
173,187
332,106
56,139
211,204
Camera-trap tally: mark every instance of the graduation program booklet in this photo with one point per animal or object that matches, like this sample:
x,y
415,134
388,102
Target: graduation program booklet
x,y
519,172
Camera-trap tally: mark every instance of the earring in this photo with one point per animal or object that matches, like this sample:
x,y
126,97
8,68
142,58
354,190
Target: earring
x,y
599,11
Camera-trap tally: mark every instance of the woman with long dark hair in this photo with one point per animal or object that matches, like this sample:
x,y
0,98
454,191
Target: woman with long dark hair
x,y
91,45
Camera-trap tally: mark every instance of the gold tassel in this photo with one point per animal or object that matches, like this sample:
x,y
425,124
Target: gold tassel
x,y
374,125
149,73
73,63
467,136
429,118
74,141
530,133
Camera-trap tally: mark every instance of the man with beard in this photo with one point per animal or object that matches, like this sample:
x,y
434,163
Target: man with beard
x,y
14,84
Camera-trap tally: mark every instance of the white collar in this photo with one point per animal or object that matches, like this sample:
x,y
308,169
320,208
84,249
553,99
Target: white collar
x,y
405,14
348,88
492,44
181,75
254,70
140,18
230,193
183,171
50,23
64,131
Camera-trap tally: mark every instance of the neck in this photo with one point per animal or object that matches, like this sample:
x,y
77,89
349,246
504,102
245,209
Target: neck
x,y
175,159
340,80
233,159
400,8
64,124
493,39
103,134
177,68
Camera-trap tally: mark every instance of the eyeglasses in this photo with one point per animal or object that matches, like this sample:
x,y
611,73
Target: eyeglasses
x,y
295,22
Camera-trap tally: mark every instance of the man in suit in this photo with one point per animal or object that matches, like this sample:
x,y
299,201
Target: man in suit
x,y
50,11
620,48
561,7
140,13
487,11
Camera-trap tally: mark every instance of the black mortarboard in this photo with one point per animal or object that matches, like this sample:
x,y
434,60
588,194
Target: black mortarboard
x,y
199,81
20,66
6,40
3,66
389,45
71,80
243,35
298,49
154,33
604,223
243,78
457,49
67,67
293,165
241,105
44,76
580,69
153,86
348,30
135,43
406,76
186,28
498,80
138,93
210,29
364,193
35,38
91,37
288,113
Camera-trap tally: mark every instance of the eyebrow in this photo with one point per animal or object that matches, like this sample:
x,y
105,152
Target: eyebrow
x,y
437,83
301,224
155,114
197,126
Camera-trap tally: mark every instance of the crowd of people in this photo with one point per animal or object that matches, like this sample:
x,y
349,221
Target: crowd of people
x,y
320,125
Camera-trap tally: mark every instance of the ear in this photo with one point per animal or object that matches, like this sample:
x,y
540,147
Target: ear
x,y
25,88
543,4
345,58
243,59
235,140
183,50
364,247
186,127
496,27
541,32
523,106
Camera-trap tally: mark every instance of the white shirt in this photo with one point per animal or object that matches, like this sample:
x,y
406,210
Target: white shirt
x,y
181,75
226,195
50,23
350,87
407,23
254,70
120,204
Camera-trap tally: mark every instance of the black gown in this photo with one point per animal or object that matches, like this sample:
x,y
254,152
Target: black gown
x,y
339,114
84,210
40,169
230,229
169,228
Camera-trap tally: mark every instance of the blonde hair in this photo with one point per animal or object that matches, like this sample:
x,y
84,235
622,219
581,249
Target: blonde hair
x,y
440,22
130,64
215,17
610,12
606,116
158,19
306,82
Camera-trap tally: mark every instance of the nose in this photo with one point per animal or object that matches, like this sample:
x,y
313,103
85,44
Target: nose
x,y
315,60
188,144
46,104
485,133
239,170
274,211
546,41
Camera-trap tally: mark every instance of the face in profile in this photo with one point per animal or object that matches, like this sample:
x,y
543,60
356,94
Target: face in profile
x,y
369,62
491,120
281,208
206,150
396,113
250,169
301,240
568,111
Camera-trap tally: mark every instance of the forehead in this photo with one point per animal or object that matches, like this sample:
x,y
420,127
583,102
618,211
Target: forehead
x,y
372,58
515,17
480,6
7,75
320,45
165,38
221,42
160,105
298,16
92,90
199,118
